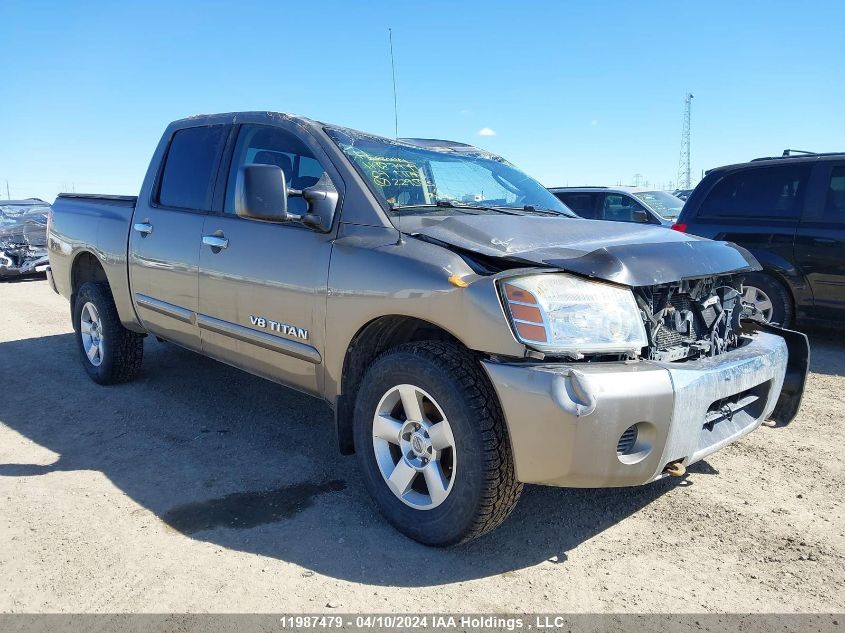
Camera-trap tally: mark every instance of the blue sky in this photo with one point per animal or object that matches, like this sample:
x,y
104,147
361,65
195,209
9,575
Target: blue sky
x,y
576,92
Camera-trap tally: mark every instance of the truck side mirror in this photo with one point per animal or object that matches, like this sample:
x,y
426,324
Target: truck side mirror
x,y
261,193
322,200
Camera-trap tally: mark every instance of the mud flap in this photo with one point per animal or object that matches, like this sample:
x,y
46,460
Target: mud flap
x,y
797,368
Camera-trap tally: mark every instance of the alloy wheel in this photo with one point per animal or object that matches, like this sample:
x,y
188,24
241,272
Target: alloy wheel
x,y
414,447
756,304
91,331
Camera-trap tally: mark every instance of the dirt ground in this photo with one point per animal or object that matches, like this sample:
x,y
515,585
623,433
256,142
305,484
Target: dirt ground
x,y
199,488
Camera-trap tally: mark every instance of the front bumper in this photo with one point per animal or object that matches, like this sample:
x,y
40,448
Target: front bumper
x,y
565,420
50,280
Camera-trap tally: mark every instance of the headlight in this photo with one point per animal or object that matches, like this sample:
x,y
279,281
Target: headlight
x,y
566,314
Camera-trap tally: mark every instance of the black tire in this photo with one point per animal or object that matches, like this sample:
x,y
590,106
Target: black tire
x,y
485,489
123,351
782,311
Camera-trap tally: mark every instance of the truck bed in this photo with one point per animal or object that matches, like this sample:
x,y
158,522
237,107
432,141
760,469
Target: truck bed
x,y
103,198
95,226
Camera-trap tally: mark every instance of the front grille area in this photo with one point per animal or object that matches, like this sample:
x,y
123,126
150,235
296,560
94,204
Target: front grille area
x,y
691,319
668,336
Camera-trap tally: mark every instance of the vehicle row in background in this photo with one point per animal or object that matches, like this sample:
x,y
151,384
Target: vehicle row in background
x,y
789,212
621,204
23,237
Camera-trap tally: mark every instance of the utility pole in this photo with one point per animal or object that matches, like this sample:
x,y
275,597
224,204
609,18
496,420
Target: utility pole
x,y
8,195
684,175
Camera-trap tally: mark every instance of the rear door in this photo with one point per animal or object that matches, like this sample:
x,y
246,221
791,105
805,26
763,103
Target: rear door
x,y
758,208
164,242
584,203
262,297
820,241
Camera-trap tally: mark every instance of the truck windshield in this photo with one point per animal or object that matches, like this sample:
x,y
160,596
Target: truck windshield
x,y
438,177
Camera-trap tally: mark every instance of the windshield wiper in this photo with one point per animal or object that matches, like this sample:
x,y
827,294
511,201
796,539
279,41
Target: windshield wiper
x,y
530,208
451,204
440,204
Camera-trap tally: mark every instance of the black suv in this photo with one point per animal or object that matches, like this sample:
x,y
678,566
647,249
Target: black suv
x,y
790,213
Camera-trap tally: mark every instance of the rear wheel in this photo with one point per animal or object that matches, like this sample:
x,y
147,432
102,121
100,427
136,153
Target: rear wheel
x,y
765,299
110,353
432,444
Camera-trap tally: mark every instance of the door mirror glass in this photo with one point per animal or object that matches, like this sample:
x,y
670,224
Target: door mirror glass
x,y
261,193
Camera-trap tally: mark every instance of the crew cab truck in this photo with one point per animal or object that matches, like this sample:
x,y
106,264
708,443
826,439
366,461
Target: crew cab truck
x,y
470,334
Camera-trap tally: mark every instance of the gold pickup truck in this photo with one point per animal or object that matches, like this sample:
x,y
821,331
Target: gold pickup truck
x,y
470,333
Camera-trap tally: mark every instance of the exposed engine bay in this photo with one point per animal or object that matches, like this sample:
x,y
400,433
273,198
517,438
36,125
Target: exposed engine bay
x,y
23,237
691,319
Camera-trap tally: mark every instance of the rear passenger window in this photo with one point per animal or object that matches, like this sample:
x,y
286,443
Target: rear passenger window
x,y
191,167
773,192
834,208
584,204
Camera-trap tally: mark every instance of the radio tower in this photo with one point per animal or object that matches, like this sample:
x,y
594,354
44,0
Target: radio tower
x,y
684,179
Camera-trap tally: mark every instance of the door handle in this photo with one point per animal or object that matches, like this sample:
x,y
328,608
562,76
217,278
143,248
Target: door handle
x,y
824,241
215,242
144,228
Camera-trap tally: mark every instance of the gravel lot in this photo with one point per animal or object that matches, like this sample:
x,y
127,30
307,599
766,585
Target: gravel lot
x,y
200,488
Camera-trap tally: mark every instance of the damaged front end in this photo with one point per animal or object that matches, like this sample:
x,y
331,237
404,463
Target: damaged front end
x,y
701,318
691,319
23,238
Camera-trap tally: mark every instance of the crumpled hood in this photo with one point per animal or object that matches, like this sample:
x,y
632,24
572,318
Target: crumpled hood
x,y
620,252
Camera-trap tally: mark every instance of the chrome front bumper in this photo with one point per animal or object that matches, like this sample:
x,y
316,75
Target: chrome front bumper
x,y
565,420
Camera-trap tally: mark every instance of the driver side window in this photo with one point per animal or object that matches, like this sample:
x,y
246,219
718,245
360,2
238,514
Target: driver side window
x,y
267,145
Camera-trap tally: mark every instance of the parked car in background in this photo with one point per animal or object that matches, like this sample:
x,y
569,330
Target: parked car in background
x,y
23,237
789,212
682,194
621,204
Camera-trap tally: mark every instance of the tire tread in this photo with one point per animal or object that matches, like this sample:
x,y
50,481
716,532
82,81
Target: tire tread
x,y
125,347
502,490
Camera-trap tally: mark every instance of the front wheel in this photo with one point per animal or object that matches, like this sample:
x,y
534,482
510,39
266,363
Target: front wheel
x,y
110,353
432,444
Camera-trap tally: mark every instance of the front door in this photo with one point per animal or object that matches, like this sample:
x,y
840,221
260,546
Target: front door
x,y
165,236
820,244
262,285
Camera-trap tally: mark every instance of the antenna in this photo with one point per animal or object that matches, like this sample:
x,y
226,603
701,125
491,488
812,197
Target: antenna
x,y
393,71
399,240
684,175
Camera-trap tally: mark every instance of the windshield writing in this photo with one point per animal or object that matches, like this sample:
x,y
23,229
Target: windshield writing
x,y
409,178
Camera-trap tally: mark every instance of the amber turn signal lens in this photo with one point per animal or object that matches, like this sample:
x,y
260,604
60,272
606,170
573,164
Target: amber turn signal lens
x,y
526,313
457,281
531,332
518,294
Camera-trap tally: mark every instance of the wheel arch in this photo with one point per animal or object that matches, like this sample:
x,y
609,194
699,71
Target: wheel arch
x,y
787,275
85,267
369,342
